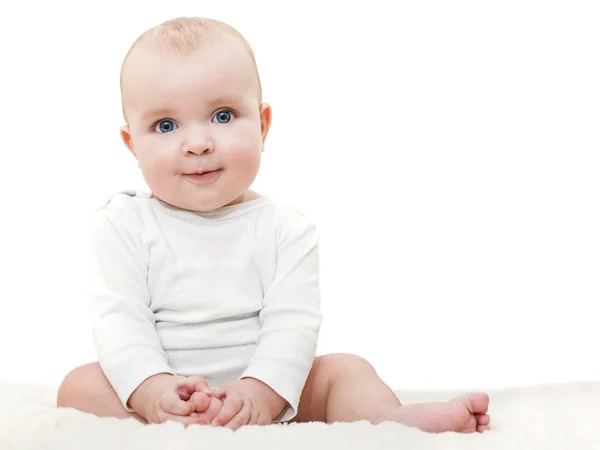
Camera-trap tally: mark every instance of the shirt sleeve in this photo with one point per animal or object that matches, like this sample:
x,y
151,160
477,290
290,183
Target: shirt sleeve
x,y
128,346
290,318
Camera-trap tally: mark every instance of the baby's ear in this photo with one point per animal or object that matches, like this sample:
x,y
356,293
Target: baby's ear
x,y
265,121
126,137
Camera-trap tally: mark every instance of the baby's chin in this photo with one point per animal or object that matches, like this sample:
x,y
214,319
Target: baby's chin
x,y
199,206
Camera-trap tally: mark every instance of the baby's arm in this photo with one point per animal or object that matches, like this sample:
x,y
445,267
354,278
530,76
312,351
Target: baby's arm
x,y
128,346
291,316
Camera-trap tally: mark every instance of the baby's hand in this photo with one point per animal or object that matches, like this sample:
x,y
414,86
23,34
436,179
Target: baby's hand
x,y
247,402
166,397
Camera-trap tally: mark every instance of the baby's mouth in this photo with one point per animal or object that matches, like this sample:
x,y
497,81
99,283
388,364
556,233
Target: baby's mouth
x,y
203,176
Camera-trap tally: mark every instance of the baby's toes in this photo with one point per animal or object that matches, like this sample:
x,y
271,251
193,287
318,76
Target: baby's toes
x,y
476,403
482,419
206,417
200,401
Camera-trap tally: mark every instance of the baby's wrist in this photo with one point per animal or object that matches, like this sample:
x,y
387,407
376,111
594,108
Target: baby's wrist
x,y
275,402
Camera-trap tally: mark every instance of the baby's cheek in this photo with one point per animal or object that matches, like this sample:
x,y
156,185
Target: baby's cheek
x,y
246,160
158,169
161,163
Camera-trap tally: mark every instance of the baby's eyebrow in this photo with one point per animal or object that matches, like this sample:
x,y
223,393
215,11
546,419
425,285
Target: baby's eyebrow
x,y
164,112
224,100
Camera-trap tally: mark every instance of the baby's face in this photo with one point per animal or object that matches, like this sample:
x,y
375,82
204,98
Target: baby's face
x,y
195,123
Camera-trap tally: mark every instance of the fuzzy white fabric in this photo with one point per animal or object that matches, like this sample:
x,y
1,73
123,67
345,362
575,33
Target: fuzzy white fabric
x,y
563,416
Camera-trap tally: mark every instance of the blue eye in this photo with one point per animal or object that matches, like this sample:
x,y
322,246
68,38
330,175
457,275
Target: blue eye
x,y
223,116
165,126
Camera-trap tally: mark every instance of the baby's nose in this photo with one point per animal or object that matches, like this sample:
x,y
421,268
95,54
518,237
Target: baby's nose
x,y
198,149
198,143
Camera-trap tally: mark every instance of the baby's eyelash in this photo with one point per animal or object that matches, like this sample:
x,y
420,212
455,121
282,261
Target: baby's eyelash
x,y
153,126
229,110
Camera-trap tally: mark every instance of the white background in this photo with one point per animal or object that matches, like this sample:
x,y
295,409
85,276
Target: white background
x,y
448,152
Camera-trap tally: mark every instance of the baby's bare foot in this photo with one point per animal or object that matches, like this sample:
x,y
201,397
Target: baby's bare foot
x,y
464,414
206,407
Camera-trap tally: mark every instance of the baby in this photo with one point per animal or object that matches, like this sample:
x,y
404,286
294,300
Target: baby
x,y
205,295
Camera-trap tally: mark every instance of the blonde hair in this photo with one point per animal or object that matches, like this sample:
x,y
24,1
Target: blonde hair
x,y
183,36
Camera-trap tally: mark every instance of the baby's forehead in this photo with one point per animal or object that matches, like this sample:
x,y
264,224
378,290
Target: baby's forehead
x,y
150,58
156,63
155,80
157,71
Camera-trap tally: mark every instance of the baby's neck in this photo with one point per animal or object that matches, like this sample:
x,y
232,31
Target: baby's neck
x,y
247,196
250,195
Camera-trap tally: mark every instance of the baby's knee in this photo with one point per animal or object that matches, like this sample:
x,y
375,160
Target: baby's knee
x,y
343,363
72,387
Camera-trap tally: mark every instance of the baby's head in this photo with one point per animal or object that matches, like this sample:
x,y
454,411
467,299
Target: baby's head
x,y
192,101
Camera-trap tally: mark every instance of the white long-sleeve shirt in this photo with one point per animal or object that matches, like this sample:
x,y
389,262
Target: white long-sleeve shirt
x,y
227,294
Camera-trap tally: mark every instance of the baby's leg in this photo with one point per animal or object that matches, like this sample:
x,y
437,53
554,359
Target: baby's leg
x,y
87,389
345,388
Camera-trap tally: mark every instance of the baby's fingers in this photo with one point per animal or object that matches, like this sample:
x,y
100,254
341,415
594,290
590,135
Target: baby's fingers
x,y
171,403
187,387
240,419
231,407
199,384
219,393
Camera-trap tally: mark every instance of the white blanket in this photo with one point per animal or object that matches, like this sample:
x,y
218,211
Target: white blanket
x,y
564,417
